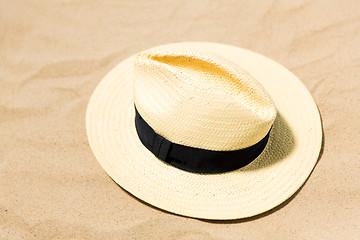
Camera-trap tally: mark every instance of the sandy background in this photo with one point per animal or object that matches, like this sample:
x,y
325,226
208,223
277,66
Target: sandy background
x,y
54,53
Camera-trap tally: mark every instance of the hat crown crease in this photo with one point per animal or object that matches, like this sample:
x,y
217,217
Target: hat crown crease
x,y
201,100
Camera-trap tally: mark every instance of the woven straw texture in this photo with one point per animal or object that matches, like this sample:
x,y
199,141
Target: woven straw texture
x,y
201,100
280,170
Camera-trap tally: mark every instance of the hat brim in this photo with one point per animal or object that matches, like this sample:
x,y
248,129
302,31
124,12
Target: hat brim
x,y
280,170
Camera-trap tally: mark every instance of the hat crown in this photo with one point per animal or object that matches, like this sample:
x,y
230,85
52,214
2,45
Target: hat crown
x,y
201,100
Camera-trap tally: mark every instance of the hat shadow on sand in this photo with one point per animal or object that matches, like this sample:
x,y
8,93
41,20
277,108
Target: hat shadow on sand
x,y
290,140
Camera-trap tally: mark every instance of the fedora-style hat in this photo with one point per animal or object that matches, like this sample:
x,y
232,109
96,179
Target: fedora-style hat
x,y
205,130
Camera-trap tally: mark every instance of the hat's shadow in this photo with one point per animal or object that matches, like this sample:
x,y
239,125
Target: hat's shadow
x,y
287,139
281,141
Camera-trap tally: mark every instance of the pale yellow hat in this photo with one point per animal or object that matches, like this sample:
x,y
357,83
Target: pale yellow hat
x,y
205,130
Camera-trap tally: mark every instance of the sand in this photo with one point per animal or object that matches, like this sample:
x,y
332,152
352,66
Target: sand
x,y
54,53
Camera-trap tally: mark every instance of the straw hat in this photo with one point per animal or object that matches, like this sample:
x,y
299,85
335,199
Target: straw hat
x,y
205,130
